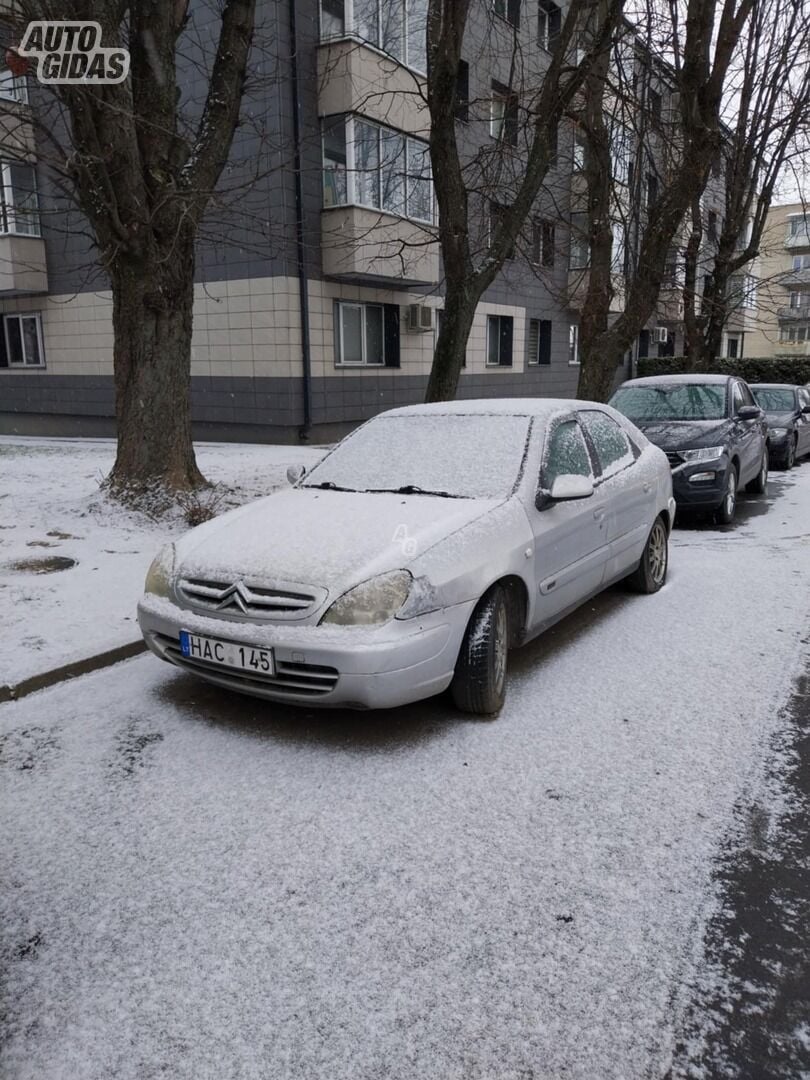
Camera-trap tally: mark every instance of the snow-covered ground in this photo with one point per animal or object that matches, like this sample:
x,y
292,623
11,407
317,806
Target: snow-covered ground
x,y
203,886
51,505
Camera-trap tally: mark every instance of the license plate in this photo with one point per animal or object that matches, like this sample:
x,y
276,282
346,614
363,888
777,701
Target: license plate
x,y
226,653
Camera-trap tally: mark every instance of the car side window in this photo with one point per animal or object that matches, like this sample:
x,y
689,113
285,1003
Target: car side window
x,y
804,399
737,400
567,455
748,397
613,449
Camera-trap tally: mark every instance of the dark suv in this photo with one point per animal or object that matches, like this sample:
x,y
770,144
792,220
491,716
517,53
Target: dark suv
x,y
712,431
787,410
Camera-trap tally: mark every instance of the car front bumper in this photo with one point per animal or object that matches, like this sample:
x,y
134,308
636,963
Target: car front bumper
x,y
700,493
321,666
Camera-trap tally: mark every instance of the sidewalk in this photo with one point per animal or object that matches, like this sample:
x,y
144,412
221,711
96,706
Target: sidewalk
x,y
72,564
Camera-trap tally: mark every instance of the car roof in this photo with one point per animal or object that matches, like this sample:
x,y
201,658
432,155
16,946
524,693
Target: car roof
x,y
495,406
695,379
774,386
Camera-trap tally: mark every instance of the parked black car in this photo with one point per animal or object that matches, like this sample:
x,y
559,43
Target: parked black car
x,y
712,431
787,410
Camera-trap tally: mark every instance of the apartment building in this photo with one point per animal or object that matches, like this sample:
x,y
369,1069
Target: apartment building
x,y
319,289
783,308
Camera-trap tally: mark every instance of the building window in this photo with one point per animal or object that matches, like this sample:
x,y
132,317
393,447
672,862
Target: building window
x,y
651,191
538,342
654,105
398,27
711,225
796,299
366,335
548,24
580,147
509,10
732,346
499,340
618,251
621,148
801,262
543,243
797,224
503,115
369,165
580,248
463,91
573,344
21,344
20,201
13,87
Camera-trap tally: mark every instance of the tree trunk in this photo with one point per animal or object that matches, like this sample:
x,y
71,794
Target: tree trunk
x,y
152,322
451,346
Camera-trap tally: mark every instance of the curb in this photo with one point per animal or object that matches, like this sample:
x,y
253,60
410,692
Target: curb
x,y
71,671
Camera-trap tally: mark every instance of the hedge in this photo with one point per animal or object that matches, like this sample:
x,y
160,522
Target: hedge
x,y
754,369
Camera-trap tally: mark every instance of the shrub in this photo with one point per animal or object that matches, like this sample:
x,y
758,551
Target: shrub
x,y
754,369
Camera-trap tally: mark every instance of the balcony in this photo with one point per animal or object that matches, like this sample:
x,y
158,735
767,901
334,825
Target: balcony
x,y
22,265
355,78
793,348
578,288
799,238
370,246
790,314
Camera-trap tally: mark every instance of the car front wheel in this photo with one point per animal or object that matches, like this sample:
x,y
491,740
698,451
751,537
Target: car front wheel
x,y
728,507
479,682
651,572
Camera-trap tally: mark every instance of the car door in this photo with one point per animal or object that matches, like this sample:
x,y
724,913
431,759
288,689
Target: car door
x,y
803,423
570,538
746,433
626,487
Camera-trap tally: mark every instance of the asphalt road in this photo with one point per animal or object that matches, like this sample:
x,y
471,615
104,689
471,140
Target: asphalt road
x,y
199,885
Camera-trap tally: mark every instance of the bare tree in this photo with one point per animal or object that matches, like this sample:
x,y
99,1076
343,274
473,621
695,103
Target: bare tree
x,y
466,186
144,165
694,60
766,129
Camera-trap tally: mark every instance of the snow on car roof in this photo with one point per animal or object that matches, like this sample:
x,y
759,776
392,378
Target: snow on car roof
x,y
695,379
492,406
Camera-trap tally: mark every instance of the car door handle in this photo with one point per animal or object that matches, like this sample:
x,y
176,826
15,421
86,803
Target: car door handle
x,y
647,486
599,513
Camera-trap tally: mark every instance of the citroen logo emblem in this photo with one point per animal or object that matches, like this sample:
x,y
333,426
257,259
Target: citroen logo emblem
x,y
233,598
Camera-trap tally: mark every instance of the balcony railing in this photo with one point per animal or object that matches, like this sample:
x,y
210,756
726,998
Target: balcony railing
x,y
800,312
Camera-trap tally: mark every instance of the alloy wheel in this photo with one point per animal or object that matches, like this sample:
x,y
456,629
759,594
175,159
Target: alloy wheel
x,y
500,649
657,553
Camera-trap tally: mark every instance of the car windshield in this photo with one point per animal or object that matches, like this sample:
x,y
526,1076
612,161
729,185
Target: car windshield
x,y
452,455
671,401
772,400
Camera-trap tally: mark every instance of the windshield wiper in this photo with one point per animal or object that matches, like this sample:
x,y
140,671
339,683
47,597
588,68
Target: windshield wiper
x,y
328,485
414,489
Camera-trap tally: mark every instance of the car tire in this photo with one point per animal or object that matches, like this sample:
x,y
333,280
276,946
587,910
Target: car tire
x,y
479,682
759,485
790,458
728,507
651,572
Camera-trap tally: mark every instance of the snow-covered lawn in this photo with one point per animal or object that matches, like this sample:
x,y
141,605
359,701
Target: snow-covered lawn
x,y
203,886
50,505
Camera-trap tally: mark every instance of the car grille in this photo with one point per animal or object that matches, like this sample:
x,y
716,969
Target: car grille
x,y
297,680
675,459
239,598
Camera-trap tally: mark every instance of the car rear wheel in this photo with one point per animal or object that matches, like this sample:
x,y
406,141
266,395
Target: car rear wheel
x,y
651,572
728,507
759,485
790,456
479,683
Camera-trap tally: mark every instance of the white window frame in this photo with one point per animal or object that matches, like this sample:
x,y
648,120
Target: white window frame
x,y
353,197
490,323
19,316
19,87
573,345
8,223
350,32
361,306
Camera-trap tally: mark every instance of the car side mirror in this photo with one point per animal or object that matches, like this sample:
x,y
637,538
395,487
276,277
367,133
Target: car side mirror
x,y
295,473
749,412
565,488
806,409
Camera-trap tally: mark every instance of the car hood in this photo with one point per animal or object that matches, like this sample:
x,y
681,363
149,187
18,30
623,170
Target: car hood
x,y
780,419
330,539
685,434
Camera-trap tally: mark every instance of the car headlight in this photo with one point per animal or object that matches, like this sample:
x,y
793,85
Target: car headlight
x,y
373,602
159,574
705,453
778,431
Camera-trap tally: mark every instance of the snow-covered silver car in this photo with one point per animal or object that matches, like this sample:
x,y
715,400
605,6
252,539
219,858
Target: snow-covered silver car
x,y
415,554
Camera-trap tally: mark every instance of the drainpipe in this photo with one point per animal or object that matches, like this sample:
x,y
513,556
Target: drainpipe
x,y
303,289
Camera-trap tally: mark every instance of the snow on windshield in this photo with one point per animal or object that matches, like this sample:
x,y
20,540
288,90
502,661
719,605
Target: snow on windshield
x,y
467,455
672,401
772,400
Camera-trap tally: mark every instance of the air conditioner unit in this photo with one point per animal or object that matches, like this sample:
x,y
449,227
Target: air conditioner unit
x,y
420,318
660,335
